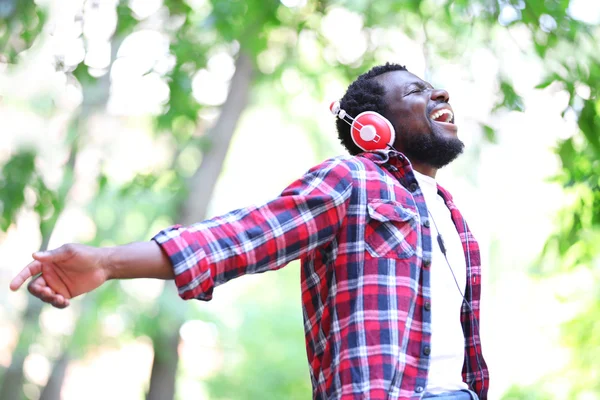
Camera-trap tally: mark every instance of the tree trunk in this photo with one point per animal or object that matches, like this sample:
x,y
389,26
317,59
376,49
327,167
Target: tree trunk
x,y
202,184
12,384
164,367
94,97
13,378
54,386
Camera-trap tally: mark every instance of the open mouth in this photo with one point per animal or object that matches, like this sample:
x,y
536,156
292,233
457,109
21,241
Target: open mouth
x,y
444,115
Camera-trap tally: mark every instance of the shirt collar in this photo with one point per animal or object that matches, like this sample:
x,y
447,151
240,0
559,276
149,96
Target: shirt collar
x,y
399,161
388,156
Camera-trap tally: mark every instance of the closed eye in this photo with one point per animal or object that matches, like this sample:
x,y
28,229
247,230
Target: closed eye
x,y
413,91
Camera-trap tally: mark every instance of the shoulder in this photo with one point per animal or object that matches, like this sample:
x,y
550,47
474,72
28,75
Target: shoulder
x,y
349,163
346,170
339,165
334,175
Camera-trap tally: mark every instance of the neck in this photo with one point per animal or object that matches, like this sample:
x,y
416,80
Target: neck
x,y
425,169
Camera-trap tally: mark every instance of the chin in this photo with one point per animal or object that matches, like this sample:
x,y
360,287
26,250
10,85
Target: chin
x,y
437,150
445,128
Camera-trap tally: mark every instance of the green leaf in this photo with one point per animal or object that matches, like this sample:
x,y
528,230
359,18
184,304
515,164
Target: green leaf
x,y
16,175
548,81
589,123
511,100
126,22
82,74
489,133
567,153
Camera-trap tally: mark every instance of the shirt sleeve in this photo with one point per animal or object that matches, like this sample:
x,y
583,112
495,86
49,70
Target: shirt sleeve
x,y
306,215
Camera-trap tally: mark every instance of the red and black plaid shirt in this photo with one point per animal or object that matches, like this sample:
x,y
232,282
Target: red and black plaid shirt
x,y
360,227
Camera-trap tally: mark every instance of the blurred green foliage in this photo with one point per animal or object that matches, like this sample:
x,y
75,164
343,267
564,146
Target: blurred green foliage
x,y
273,363
16,175
21,21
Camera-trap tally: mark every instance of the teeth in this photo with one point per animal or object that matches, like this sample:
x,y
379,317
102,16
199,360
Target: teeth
x,y
439,113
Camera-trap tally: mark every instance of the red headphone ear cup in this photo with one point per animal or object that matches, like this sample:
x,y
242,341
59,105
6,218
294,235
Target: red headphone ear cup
x,y
384,131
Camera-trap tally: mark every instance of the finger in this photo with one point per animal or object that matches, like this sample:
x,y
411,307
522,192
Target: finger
x,y
37,286
40,289
66,303
59,254
34,268
60,301
48,296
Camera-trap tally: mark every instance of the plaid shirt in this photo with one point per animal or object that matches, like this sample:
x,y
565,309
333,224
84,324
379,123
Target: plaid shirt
x,y
361,229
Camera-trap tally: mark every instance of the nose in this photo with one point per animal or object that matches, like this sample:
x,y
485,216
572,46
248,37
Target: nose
x,y
440,95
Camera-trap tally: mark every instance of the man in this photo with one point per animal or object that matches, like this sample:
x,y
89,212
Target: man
x,y
382,292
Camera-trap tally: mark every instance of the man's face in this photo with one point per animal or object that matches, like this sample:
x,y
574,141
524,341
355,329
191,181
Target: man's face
x,y
423,119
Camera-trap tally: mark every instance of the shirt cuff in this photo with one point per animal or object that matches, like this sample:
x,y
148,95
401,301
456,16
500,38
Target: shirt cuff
x,y
193,276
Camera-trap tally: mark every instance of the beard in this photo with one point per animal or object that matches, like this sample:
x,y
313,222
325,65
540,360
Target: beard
x,y
432,149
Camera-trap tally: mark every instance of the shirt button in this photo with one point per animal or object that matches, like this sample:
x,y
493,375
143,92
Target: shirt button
x,y
426,263
427,306
413,187
419,389
426,224
427,350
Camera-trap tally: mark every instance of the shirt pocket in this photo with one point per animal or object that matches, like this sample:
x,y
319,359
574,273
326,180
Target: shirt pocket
x,y
391,230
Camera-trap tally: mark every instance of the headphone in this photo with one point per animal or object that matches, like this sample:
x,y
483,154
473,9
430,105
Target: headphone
x,y
369,130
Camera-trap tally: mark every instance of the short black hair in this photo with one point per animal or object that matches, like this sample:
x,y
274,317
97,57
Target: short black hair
x,y
364,94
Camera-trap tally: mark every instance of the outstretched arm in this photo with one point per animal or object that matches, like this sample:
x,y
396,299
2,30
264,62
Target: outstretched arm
x,y
251,240
307,215
74,269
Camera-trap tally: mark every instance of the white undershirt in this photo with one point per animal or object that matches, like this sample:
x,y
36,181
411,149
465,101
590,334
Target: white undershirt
x,y
447,338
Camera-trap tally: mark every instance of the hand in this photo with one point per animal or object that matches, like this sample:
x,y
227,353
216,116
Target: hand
x,y
66,272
